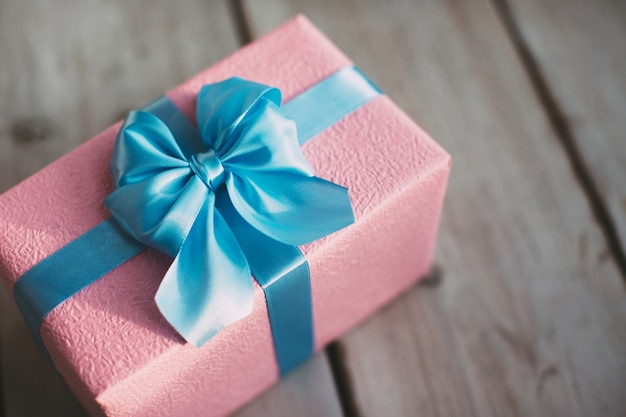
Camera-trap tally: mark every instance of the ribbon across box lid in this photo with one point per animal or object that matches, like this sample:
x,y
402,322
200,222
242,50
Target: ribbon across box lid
x,y
266,203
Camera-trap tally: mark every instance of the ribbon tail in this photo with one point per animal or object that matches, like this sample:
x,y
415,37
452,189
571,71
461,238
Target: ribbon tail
x,y
208,286
283,273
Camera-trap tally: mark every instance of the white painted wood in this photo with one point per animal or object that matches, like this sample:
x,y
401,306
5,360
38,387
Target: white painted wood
x,y
68,70
307,391
580,49
530,317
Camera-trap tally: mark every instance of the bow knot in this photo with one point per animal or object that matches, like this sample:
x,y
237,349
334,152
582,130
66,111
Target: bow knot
x,y
207,166
246,153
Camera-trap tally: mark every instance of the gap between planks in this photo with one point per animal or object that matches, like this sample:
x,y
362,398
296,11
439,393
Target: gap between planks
x,y
2,408
341,376
240,21
334,352
563,132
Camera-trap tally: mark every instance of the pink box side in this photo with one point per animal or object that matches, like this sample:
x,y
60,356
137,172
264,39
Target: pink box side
x,y
109,341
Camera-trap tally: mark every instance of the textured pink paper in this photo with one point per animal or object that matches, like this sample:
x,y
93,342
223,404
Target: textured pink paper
x,y
109,341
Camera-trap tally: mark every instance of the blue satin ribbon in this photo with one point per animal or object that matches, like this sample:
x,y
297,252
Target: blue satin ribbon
x,y
63,273
230,197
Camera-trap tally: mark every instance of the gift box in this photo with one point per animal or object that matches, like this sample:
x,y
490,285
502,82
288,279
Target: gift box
x,y
110,341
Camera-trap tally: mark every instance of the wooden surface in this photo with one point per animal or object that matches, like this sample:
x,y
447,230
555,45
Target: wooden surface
x,y
529,97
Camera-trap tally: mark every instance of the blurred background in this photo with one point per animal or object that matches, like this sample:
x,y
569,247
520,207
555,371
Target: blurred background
x,y
525,314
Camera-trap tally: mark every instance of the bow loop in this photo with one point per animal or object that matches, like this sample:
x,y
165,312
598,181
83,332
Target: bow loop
x,y
166,198
221,106
146,135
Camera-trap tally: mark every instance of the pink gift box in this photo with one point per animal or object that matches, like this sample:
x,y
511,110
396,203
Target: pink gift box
x,y
109,341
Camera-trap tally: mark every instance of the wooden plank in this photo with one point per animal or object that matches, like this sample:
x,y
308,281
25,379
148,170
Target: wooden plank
x,y
31,385
307,391
580,52
530,318
69,70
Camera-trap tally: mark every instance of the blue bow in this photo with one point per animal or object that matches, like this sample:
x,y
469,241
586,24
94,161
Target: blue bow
x,y
171,191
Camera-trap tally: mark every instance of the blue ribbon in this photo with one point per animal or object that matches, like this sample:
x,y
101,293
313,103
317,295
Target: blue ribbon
x,y
231,197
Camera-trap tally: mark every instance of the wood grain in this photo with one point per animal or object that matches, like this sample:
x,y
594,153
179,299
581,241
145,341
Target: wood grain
x,y
68,70
31,385
530,317
580,51
307,391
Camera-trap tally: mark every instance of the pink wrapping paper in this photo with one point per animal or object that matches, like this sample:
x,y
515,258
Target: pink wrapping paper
x,y
109,341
